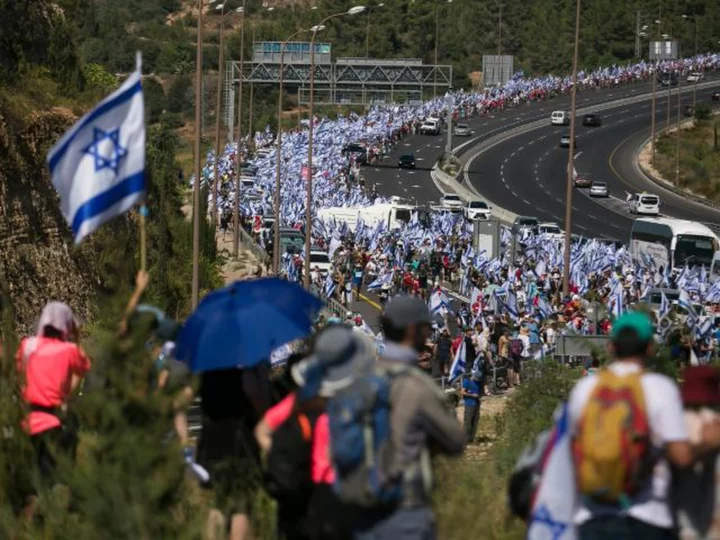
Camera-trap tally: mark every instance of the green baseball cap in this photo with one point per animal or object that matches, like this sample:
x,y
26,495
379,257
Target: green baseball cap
x,y
635,320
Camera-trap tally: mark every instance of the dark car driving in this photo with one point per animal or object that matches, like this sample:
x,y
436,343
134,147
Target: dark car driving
x,y
356,150
406,161
591,120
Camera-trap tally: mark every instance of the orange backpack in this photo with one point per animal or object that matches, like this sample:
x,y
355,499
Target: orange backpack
x,y
612,445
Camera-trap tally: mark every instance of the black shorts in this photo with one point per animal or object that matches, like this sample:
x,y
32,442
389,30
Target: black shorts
x,y
230,454
50,447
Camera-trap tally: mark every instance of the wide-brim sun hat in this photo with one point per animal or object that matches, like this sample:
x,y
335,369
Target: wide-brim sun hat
x,y
340,355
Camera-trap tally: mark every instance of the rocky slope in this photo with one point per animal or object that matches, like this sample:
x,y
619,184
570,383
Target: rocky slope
x,y
37,259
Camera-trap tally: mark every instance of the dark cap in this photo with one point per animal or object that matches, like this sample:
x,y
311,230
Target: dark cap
x,y
404,311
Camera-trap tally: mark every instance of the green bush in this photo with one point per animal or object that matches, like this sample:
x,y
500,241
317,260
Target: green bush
x,y
702,111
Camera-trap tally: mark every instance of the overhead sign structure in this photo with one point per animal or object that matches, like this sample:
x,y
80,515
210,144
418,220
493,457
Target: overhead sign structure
x,y
663,50
497,69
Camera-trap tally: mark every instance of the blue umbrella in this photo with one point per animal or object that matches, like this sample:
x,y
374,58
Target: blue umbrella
x,y
240,325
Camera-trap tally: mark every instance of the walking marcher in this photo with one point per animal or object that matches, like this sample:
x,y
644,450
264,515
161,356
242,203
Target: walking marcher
x,y
419,422
52,365
471,389
628,427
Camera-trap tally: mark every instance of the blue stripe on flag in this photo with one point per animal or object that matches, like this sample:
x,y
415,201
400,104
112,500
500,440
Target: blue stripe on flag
x,y
107,199
118,100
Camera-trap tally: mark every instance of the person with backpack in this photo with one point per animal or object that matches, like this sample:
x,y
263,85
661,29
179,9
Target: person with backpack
x,y
627,429
295,438
383,427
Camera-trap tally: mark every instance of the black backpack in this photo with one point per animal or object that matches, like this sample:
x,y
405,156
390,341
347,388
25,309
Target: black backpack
x,y
289,462
525,478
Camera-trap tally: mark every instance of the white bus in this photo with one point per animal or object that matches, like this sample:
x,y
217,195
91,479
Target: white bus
x,y
673,242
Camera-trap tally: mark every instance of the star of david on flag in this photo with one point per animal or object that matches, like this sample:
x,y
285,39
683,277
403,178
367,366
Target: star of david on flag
x,y
106,149
98,166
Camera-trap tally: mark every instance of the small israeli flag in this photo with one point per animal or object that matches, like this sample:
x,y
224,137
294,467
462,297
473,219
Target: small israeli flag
x,y
98,167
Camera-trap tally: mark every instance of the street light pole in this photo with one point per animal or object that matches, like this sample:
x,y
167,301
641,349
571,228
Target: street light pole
x,y
308,204
218,105
367,29
677,138
238,150
437,33
278,158
195,294
571,152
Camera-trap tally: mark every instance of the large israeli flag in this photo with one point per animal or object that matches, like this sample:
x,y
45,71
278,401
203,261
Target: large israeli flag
x,y
98,167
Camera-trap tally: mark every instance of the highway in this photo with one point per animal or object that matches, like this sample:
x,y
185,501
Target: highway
x,y
527,173
417,186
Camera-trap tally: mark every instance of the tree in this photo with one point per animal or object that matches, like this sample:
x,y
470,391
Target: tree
x,y
155,101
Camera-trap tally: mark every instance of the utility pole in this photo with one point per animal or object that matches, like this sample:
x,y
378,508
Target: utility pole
x,y
571,151
637,35
238,150
196,188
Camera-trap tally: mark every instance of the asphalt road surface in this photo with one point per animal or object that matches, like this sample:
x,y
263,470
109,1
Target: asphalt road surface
x,y
527,174
416,185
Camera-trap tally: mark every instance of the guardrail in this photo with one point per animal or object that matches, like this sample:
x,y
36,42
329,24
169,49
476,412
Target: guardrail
x,y
579,346
249,242
666,184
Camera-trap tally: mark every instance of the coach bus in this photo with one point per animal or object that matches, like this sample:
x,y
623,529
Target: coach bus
x,y
673,242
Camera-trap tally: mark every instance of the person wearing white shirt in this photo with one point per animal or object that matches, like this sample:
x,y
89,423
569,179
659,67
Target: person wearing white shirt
x,y
647,514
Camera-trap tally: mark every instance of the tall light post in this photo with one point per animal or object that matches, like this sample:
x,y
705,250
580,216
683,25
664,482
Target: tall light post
x,y
677,137
238,150
278,153
500,8
195,294
653,114
571,153
367,28
308,210
437,40
693,18
218,105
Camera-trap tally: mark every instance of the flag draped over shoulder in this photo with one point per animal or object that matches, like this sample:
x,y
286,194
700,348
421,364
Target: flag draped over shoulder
x,y
555,501
459,363
98,166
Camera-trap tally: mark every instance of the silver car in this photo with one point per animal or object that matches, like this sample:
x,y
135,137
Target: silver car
x,y
462,130
599,189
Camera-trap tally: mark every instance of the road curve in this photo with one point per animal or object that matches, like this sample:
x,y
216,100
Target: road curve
x,y
526,174
417,185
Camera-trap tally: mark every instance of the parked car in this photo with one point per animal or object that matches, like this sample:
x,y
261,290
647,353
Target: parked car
x,y
599,189
462,130
668,78
477,210
320,259
715,96
406,161
356,150
591,120
431,126
559,118
552,230
695,76
523,223
451,202
565,141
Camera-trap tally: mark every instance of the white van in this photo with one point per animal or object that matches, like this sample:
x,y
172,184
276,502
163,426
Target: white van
x,y
559,118
644,204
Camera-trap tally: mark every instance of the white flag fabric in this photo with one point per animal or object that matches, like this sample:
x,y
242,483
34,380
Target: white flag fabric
x,y
555,503
98,166
458,366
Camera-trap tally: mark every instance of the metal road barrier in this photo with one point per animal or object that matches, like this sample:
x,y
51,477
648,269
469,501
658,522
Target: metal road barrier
x,y
579,346
249,242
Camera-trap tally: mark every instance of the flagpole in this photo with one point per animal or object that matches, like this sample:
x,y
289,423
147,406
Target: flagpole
x,y
143,238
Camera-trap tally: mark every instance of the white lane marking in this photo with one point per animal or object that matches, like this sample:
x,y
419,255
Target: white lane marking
x,y
577,155
416,186
419,159
515,194
526,202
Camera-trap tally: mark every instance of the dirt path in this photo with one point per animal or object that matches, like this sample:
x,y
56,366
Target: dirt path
x,y
490,408
246,264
